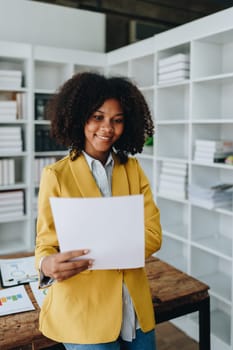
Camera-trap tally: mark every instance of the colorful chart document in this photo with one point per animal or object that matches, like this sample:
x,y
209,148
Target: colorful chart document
x,y
14,300
112,228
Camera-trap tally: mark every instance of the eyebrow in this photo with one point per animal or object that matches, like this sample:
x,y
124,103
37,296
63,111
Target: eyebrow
x,y
115,115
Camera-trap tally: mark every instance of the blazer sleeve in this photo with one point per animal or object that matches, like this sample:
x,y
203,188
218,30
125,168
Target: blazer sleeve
x,y
46,239
153,230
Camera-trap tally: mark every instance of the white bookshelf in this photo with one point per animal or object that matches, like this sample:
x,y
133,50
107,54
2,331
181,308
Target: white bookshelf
x,y
15,230
196,240
200,106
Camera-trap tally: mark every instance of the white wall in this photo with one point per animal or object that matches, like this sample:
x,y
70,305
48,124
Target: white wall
x,y
45,24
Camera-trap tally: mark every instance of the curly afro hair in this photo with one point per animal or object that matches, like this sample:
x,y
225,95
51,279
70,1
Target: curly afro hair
x,y
79,97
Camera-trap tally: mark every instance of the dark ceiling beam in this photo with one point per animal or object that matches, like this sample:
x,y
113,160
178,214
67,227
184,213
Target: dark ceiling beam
x,y
199,6
165,12
141,10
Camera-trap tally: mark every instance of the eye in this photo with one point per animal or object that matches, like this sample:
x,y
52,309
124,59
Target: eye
x,y
118,120
97,117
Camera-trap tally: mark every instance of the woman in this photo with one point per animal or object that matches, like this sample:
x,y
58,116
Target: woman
x,y
103,120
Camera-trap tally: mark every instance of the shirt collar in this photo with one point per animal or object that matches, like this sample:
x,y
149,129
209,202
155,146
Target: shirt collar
x,y
90,160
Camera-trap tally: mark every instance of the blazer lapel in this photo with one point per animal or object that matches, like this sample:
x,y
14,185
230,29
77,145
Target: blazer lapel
x,y
84,178
120,183
86,182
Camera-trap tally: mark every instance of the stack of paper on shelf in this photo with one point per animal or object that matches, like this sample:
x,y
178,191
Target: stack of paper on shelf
x,y
11,203
10,139
173,68
7,171
8,111
10,79
173,180
212,151
217,196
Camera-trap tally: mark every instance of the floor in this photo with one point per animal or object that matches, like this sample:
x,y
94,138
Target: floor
x,y
169,337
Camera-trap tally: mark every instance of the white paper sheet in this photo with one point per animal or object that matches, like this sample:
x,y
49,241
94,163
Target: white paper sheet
x,y
111,227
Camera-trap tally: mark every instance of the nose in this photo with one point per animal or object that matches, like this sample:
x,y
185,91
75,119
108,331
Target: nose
x,y
107,126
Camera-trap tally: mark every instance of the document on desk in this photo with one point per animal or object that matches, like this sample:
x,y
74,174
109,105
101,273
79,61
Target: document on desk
x,y
14,300
39,294
112,228
18,271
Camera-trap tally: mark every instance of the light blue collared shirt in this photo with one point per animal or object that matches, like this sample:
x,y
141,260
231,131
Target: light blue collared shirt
x,y
103,177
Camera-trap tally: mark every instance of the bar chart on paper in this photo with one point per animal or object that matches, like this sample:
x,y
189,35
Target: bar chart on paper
x,y
14,300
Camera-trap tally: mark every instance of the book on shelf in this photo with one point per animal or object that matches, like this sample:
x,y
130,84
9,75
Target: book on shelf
x,y
172,185
6,148
212,203
176,76
171,193
215,196
7,171
176,58
40,163
12,208
10,79
174,164
215,157
10,130
212,151
10,73
11,139
7,117
21,105
43,141
41,101
11,194
173,179
13,200
7,143
8,104
174,171
214,145
174,67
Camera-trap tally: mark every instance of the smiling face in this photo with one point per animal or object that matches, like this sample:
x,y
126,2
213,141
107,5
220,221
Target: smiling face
x,y
103,128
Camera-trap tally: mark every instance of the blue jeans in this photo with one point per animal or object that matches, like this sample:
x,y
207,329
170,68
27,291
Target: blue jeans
x,y
143,341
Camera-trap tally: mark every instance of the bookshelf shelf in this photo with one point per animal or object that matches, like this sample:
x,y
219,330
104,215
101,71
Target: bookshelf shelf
x,y
217,245
42,122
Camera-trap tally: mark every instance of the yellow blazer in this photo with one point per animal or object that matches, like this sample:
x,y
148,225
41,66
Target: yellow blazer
x,y
87,308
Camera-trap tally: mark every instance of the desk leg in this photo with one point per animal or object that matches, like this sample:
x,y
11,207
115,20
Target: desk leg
x,y
204,325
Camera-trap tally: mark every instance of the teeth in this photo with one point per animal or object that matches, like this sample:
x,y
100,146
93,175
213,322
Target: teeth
x,y
103,137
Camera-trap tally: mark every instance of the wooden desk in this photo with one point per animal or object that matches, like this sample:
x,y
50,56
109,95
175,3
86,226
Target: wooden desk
x,y
174,294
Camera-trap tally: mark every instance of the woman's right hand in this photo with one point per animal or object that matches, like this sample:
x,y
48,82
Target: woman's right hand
x,y
61,266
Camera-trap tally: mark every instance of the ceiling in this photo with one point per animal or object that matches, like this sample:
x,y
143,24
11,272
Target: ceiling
x,y
128,21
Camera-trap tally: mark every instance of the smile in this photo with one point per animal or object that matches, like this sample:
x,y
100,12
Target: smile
x,y
105,138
